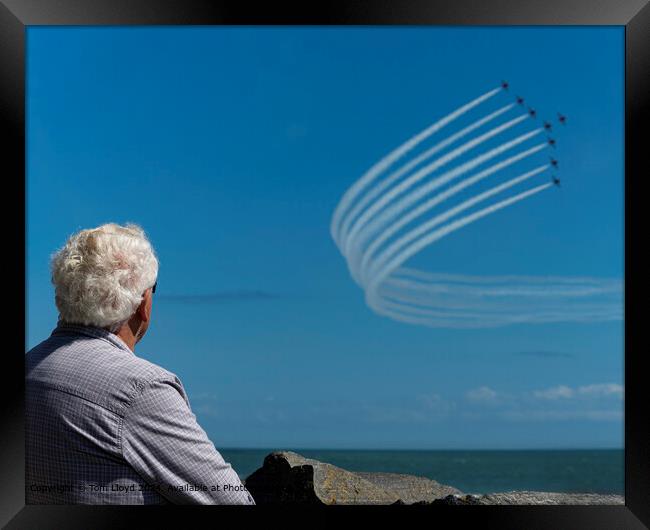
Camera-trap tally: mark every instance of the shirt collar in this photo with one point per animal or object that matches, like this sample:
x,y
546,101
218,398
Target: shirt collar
x,y
63,328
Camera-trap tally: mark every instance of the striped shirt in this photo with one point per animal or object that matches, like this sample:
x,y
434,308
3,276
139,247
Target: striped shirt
x,y
103,426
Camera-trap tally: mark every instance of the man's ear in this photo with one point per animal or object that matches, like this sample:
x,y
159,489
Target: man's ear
x,y
144,309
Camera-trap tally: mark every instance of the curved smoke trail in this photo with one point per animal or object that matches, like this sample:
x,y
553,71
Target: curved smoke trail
x,y
395,155
393,177
386,218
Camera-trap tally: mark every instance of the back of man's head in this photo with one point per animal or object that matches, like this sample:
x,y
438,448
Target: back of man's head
x,y
100,275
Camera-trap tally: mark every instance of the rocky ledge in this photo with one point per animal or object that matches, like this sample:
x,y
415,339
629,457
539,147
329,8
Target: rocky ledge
x,y
289,478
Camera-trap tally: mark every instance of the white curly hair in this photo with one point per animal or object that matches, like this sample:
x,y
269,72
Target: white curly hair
x,y
100,275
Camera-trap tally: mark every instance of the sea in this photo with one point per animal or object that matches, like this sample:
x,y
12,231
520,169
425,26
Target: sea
x,y
472,471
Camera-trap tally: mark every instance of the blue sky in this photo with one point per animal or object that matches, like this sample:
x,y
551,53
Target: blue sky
x,y
232,146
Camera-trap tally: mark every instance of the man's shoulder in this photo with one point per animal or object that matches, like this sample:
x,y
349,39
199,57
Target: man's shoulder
x,y
93,368
94,350
154,372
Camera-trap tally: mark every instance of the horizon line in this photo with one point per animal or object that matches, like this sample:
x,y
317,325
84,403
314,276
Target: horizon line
x,y
422,449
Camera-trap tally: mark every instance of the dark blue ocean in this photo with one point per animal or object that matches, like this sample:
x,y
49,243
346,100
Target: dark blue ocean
x,y
584,471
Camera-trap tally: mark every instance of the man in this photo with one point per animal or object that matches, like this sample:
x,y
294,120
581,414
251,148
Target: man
x,y
102,425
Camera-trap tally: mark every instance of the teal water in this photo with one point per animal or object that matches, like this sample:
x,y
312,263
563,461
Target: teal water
x,y
584,471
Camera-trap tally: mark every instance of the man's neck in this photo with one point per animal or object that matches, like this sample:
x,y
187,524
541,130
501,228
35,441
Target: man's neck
x,y
126,334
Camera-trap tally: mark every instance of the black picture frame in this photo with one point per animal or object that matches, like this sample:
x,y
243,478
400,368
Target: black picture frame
x,y
17,15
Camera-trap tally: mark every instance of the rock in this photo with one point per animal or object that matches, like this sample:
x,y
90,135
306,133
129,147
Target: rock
x,y
458,500
532,497
409,489
541,497
287,477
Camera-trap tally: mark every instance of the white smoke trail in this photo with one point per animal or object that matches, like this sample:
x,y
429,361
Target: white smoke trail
x,y
433,277
371,227
401,206
393,177
500,301
442,319
423,228
488,322
439,162
396,154
540,289
409,303
378,226
487,298
468,307
415,247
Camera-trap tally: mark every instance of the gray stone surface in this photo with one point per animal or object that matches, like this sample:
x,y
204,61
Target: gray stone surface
x,y
533,498
408,488
289,478
541,497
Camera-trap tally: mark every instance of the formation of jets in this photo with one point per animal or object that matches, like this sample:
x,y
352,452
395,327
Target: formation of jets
x,y
520,101
556,180
547,126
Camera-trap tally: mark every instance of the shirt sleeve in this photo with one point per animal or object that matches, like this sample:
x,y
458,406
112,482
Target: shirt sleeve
x,y
163,442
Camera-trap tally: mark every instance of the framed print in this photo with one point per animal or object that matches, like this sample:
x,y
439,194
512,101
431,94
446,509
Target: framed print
x,y
355,257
